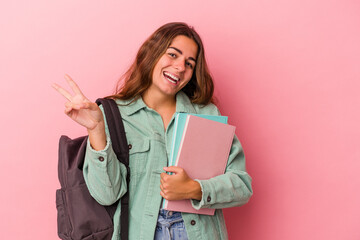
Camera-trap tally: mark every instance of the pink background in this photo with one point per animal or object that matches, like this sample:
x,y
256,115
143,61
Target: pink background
x,y
287,73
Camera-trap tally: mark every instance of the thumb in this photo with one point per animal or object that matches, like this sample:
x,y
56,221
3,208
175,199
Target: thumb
x,y
173,169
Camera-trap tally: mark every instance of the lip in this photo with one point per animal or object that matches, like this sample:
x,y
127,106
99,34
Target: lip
x,y
171,77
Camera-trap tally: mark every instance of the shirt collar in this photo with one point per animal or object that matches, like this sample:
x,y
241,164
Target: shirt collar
x,y
132,105
183,104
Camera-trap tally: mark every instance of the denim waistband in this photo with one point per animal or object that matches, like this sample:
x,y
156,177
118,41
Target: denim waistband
x,y
170,225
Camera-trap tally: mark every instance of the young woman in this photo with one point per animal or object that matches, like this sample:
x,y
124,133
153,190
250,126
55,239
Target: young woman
x,y
169,75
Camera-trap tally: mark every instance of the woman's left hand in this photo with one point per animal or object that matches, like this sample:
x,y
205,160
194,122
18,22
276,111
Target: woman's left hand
x,y
179,185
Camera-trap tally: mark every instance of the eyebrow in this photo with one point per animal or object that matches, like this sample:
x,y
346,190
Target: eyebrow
x,y
178,50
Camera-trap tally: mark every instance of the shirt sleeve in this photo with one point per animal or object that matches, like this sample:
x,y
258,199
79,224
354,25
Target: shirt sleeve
x,y
104,175
231,189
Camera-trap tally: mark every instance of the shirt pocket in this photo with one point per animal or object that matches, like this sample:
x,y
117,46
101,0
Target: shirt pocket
x,y
139,149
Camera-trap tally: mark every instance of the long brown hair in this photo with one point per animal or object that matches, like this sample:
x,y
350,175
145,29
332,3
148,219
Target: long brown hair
x,y
138,77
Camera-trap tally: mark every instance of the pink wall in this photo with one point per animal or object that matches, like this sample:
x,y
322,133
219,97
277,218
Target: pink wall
x,y
287,73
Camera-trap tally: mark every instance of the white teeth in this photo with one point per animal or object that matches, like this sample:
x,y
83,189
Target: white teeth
x,y
171,80
174,78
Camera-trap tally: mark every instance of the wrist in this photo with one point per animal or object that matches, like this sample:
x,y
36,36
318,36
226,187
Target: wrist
x,y
196,192
97,128
97,136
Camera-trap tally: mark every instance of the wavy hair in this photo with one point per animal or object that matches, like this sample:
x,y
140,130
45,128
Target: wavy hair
x,y
138,77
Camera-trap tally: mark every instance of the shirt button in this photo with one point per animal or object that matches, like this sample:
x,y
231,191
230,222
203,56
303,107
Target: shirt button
x,y
208,199
101,159
130,146
193,222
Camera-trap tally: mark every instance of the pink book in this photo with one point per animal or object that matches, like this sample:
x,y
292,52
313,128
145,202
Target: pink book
x,y
203,154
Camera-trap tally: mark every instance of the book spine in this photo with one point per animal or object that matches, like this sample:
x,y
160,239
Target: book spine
x,y
182,140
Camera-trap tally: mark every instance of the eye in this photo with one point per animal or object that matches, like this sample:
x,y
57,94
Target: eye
x,y
173,55
189,65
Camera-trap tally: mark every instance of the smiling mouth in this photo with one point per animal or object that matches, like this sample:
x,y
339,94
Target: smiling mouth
x,y
171,78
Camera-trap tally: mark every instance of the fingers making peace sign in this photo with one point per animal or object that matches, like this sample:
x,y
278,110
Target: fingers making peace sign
x,y
78,107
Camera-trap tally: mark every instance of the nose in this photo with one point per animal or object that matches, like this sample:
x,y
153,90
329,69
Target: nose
x,y
180,65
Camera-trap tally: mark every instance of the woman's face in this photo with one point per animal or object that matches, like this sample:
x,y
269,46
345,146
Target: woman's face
x,y
175,68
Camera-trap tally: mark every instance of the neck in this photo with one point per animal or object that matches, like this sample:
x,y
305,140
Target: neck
x,y
158,101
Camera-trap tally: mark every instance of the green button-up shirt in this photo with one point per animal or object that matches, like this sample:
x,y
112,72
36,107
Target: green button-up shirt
x,y
149,153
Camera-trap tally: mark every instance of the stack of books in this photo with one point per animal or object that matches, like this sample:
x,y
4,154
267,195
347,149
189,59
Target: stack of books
x,y
201,146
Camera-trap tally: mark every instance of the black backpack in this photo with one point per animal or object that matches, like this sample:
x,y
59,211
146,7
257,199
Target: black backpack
x,y
80,216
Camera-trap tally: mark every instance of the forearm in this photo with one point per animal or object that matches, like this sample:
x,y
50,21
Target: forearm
x,y
97,136
104,175
224,191
233,188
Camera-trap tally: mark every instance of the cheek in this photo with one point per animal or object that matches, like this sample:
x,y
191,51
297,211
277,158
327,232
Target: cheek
x,y
160,64
189,75
164,61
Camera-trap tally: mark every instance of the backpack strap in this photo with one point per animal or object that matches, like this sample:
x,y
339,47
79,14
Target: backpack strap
x,y
121,149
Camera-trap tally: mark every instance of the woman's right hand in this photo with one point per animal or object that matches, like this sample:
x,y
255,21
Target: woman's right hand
x,y
79,108
84,112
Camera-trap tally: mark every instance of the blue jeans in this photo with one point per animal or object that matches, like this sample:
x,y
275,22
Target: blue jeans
x,y
170,226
